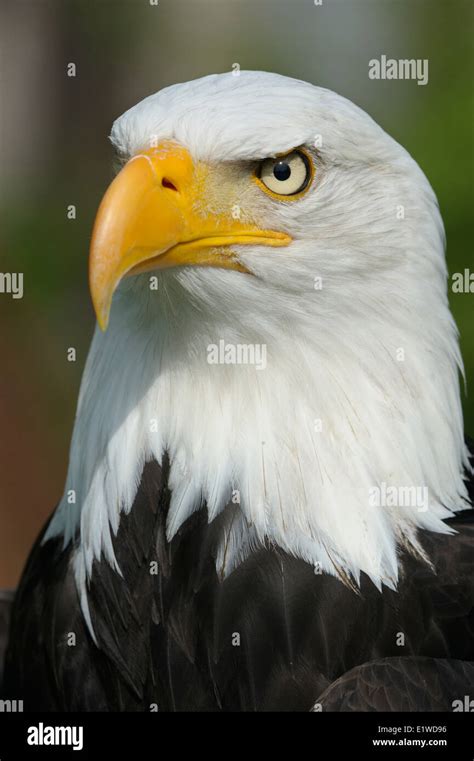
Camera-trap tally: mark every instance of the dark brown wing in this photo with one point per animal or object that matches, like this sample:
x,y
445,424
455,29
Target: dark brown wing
x,y
401,684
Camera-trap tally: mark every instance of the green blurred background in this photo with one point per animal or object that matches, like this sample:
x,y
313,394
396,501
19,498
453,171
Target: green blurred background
x,y
54,152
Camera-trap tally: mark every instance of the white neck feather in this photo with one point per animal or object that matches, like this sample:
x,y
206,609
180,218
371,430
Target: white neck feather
x,y
336,412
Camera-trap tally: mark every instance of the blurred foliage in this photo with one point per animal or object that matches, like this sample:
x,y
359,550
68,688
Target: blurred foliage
x,y
54,150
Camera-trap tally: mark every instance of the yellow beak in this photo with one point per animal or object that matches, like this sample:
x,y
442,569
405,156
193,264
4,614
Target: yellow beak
x,y
154,215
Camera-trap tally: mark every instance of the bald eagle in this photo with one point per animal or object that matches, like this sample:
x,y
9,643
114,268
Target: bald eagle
x,y
267,505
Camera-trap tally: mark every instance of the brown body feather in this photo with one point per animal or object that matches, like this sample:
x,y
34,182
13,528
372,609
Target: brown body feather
x,y
273,635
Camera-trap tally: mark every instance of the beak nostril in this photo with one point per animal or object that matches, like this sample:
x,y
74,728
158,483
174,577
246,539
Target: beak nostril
x,y
166,183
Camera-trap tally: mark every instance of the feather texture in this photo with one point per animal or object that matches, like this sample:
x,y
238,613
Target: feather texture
x,y
272,635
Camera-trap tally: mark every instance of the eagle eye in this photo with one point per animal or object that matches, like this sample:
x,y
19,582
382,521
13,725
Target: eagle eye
x,y
286,175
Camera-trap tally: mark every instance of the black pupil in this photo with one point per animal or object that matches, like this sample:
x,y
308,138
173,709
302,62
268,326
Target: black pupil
x,y
282,171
